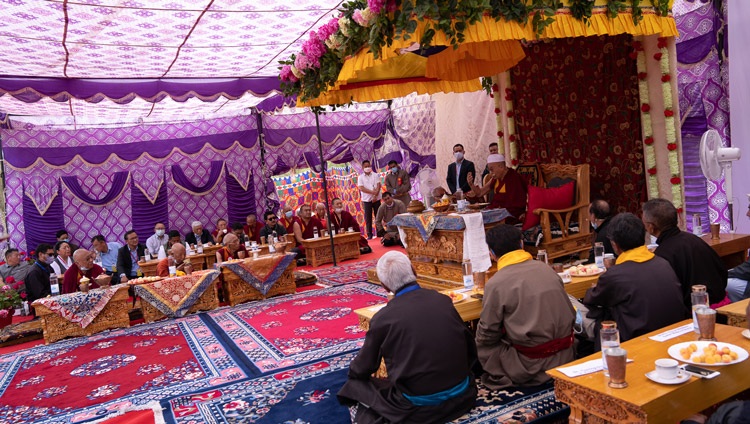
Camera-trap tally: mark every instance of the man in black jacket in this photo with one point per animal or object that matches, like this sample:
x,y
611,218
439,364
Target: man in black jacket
x,y
737,286
37,280
691,258
422,386
599,215
458,180
128,257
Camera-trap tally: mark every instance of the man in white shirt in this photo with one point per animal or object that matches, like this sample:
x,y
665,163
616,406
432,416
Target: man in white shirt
x,y
158,239
370,191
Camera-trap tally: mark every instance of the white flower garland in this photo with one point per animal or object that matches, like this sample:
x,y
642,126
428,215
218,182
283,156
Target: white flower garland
x,y
510,112
498,116
648,133
669,121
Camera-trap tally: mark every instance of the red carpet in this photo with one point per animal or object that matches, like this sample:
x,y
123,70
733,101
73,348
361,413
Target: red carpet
x,y
378,250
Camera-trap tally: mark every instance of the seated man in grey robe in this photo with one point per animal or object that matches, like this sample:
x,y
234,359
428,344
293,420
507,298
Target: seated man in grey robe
x,y
641,293
427,350
526,325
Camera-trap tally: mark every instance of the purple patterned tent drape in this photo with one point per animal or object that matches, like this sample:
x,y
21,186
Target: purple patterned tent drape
x,y
146,214
118,184
240,201
184,182
42,228
702,75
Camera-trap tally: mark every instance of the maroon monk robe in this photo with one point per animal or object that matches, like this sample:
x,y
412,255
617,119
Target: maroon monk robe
x,y
343,222
253,234
510,193
307,230
73,275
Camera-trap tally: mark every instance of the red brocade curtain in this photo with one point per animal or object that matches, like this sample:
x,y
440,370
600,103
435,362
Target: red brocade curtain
x,y
576,101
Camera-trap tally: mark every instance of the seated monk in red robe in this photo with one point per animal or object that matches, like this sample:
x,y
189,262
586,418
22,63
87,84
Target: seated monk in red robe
x,y
287,219
342,220
232,249
508,187
83,266
304,227
252,228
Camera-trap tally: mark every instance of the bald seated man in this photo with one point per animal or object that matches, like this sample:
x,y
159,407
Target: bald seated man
x,y
232,249
178,253
83,266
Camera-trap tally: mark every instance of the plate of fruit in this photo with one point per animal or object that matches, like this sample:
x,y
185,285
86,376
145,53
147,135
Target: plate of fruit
x,y
456,297
585,270
707,353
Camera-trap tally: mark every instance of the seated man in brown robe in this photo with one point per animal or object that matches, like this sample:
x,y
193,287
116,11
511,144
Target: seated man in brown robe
x,y
178,253
526,324
641,293
304,227
428,354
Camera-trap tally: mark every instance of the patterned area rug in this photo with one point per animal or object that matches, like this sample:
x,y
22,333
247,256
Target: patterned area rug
x,y
291,330
86,378
515,406
345,274
305,394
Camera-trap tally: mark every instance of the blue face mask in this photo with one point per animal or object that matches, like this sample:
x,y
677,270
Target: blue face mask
x,y
288,214
594,225
394,169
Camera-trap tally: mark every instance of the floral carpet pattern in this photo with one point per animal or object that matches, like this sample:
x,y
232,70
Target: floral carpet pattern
x,y
85,378
291,330
345,274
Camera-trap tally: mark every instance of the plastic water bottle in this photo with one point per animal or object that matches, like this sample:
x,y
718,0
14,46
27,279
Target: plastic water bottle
x,y
172,266
541,255
146,254
275,237
599,254
697,226
468,274
610,338
199,248
54,285
315,233
698,299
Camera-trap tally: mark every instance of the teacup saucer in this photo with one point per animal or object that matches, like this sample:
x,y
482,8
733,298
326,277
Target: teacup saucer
x,y
746,333
681,378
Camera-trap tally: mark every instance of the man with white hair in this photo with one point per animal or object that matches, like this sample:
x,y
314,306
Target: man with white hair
x,y
428,353
198,235
508,188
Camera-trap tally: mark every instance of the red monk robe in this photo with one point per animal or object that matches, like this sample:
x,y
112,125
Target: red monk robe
x,y
307,230
510,193
253,234
73,275
342,222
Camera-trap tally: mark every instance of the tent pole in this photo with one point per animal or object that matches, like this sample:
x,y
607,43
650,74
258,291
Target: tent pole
x,y
325,186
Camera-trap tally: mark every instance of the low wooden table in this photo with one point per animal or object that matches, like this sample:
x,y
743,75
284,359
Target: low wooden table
x,y
207,301
735,313
114,315
236,290
318,251
643,401
731,247
469,309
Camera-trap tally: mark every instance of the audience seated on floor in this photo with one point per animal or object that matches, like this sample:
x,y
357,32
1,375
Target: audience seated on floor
x,y
389,233
428,354
526,324
641,293
691,258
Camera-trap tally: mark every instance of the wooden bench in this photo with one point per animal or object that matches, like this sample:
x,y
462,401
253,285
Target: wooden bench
x,y
318,251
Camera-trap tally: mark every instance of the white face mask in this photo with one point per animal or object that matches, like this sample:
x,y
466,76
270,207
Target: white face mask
x,y
159,233
338,210
458,155
368,170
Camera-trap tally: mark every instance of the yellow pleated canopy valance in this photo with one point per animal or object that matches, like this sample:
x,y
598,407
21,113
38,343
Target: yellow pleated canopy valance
x,y
490,47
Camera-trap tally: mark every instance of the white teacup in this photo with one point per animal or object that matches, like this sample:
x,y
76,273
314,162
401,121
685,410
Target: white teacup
x,y
666,368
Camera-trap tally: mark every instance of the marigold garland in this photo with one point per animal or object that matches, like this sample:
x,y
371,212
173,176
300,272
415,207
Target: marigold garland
x,y
648,134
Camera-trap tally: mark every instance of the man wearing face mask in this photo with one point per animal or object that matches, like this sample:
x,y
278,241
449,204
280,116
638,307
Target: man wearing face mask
x,y
398,183
158,239
369,188
62,235
342,220
83,266
37,281
287,219
599,215
458,170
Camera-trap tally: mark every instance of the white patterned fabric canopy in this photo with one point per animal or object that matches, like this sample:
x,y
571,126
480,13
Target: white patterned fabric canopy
x,y
142,40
